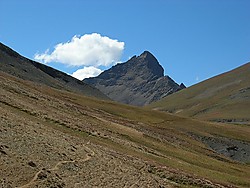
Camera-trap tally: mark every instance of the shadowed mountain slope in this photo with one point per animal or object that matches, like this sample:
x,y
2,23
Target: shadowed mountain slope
x,y
13,63
139,81
223,98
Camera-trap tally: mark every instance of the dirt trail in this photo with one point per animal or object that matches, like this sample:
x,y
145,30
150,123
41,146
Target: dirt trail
x,y
117,126
56,167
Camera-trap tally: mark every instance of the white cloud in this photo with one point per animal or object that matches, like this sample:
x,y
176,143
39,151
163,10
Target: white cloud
x,y
87,50
86,72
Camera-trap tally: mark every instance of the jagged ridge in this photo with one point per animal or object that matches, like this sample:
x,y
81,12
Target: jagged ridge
x,y
139,81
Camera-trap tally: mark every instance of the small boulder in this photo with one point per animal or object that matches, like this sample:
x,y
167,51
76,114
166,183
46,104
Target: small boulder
x,y
32,164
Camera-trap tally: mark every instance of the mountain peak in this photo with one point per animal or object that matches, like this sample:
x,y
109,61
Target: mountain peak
x,y
149,63
139,81
146,54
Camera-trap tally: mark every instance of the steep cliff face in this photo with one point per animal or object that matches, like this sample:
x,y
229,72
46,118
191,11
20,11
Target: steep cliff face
x,y
139,81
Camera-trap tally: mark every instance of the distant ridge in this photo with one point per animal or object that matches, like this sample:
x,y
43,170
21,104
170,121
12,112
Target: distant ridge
x,y
13,63
139,81
223,98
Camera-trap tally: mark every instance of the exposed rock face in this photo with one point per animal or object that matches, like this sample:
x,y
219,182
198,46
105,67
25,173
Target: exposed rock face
x,y
139,81
13,63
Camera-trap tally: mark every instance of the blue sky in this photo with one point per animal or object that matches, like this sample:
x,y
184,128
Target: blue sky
x,y
192,39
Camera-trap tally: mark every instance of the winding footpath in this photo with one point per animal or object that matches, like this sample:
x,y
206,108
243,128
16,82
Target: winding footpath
x,y
56,167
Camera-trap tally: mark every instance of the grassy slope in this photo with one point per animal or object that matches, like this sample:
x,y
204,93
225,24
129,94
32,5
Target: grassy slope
x,y
225,96
160,139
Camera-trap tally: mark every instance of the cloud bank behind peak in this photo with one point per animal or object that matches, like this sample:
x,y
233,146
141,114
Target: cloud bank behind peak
x,y
89,50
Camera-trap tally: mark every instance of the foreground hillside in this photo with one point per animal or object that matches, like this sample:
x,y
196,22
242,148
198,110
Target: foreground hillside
x,y
55,138
224,98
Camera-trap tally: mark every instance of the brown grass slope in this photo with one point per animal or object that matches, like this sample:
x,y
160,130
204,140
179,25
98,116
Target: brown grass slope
x,y
223,98
55,138
13,63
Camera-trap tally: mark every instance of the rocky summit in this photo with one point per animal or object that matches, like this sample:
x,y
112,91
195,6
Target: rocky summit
x,y
139,81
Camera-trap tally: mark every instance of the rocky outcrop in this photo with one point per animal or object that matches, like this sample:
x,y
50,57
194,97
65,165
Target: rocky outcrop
x,y
139,81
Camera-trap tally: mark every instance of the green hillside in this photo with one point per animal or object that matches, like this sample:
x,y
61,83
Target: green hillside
x,y
223,98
